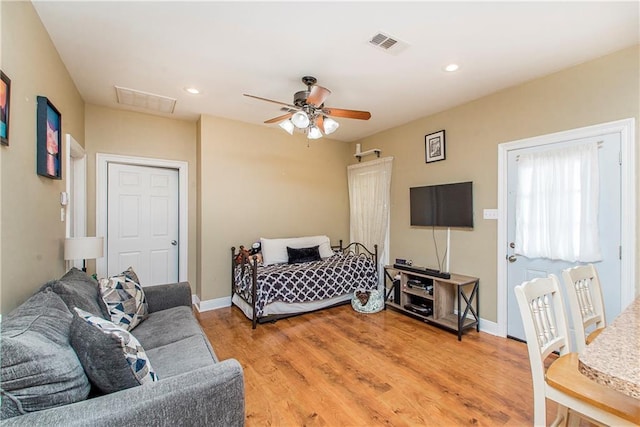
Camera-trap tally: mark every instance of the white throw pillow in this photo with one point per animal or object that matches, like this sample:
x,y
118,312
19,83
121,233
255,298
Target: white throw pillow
x,y
274,251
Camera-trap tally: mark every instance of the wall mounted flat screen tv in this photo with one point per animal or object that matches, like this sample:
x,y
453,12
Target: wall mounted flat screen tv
x,y
444,205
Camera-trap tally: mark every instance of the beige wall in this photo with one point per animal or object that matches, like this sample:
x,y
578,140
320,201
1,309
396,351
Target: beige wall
x,y
249,181
599,91
135,134
32,233
260,182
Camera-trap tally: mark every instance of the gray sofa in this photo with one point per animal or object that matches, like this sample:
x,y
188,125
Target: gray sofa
x,y
45,383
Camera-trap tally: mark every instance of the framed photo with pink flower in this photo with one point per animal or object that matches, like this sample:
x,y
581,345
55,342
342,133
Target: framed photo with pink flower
x,y
49,139
5,98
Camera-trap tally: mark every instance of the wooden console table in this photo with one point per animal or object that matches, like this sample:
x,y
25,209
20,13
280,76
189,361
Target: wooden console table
x,y
434,299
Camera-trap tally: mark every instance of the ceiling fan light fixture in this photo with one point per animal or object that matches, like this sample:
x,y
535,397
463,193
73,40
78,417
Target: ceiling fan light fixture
x,y
300,119
314,132
288,126
330,125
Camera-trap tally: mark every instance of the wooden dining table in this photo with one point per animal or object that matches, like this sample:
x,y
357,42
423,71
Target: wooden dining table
x,y
606,374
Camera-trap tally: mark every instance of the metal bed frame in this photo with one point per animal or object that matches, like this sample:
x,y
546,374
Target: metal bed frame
x,y
251,262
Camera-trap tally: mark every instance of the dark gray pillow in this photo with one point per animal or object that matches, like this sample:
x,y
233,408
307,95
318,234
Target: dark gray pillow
x,y
78,289
112,357
300,255
39,369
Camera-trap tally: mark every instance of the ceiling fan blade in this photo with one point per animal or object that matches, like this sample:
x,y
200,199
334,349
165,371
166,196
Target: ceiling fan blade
x,y
317,95
348,114
271,100
279,118
320,123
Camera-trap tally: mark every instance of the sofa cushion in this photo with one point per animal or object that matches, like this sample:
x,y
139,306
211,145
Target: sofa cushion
x,y
112,357
125,299
167,326
193,353
39,369
78,289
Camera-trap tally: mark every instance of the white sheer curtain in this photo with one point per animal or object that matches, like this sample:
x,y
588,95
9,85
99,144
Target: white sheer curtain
x,y
557,204
369,194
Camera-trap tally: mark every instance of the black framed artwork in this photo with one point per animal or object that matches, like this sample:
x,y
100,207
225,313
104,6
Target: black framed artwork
x,y
48,139
5,101
434,147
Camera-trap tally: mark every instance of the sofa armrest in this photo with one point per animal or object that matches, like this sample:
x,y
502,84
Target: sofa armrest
x,y
213,395
162,297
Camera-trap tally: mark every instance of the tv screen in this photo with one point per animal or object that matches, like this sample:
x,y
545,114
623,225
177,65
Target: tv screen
x,y
444,205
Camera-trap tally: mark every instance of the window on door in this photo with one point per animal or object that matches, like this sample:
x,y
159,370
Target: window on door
x,y
557,204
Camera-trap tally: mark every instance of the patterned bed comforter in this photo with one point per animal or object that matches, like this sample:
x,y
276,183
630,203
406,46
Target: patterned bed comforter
x,y
311,281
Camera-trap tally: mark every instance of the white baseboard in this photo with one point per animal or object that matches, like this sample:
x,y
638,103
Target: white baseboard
x,y
486,326
489,327
211,304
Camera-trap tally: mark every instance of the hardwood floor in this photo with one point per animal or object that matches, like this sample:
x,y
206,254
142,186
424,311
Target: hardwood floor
x,y
337,367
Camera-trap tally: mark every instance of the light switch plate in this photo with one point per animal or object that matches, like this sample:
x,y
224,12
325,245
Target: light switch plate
x,y
490,213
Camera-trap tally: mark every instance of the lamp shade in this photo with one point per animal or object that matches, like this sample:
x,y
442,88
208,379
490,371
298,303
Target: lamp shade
x,y
83,248
330,125
314,132
287,125
300,119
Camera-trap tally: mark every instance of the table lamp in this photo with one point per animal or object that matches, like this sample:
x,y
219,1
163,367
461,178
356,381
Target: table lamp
x,y
83,248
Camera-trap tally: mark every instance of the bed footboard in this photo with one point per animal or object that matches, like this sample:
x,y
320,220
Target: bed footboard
x,y
249,265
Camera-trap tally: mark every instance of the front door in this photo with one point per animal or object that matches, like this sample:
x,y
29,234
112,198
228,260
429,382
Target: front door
x,y
522,269
142,221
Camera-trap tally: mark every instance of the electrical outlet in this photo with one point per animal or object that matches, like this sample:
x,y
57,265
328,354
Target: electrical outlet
x,y
490,214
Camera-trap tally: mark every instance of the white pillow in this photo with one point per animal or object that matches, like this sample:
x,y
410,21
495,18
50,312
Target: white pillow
x,y
274,251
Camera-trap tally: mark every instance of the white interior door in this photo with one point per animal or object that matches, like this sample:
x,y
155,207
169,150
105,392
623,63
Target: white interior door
x,y
143,223
521,268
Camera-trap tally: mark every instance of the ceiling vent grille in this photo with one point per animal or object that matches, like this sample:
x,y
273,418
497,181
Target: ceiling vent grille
x,y
145,100
388,43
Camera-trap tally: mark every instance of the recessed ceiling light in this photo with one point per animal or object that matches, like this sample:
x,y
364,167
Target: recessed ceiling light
x,y
192,90
451,67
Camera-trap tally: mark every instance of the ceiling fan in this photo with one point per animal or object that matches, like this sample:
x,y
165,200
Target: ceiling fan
x,y
309,113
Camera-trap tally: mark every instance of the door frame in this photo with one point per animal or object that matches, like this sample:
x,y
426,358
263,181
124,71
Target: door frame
x,y
76,164
102,173
626,129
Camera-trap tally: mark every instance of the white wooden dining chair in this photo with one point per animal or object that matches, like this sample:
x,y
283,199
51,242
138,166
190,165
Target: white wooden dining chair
x,y
586,305
545,327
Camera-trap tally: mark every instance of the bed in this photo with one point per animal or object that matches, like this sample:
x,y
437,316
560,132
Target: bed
x,y
274,289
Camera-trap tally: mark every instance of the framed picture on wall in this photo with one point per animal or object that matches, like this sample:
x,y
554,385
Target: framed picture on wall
x,y
5,98
48,139
434,147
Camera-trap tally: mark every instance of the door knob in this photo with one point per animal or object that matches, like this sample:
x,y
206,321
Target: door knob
x,y
174,242
512,258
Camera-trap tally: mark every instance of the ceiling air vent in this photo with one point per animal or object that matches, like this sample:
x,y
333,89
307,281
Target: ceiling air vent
x,y
388,43
145,100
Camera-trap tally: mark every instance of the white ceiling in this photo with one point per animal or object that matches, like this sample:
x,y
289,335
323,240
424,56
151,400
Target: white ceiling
x,y
264,48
